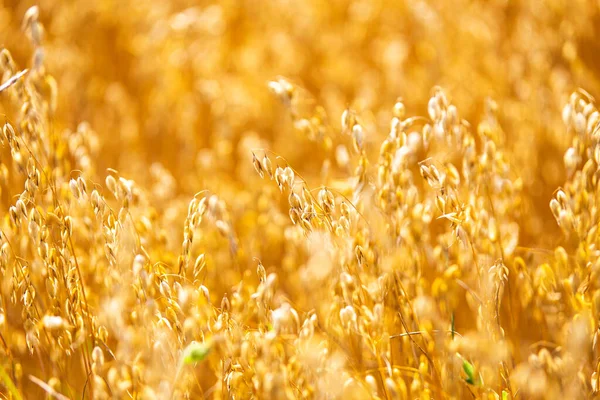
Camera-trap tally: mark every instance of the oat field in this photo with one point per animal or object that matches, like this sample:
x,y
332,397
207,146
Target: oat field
x,y
277,199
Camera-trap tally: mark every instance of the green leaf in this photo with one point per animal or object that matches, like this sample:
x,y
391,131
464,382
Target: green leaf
x,y
504,395
195,352
470,371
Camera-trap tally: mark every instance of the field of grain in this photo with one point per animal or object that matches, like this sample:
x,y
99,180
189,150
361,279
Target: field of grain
x,y
277,199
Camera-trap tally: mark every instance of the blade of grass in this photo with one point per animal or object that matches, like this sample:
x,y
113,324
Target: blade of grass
x,y
47,388
9,384
12,80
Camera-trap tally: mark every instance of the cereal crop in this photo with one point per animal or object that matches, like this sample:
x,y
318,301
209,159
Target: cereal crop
x,y
275,199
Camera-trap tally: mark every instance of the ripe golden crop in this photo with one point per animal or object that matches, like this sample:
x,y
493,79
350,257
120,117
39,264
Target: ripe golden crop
x,y
353,199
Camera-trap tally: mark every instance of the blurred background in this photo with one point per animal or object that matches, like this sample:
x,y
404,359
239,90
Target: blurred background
x,y
179,84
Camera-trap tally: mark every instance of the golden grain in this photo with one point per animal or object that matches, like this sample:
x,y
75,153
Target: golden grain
x,y
438,245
